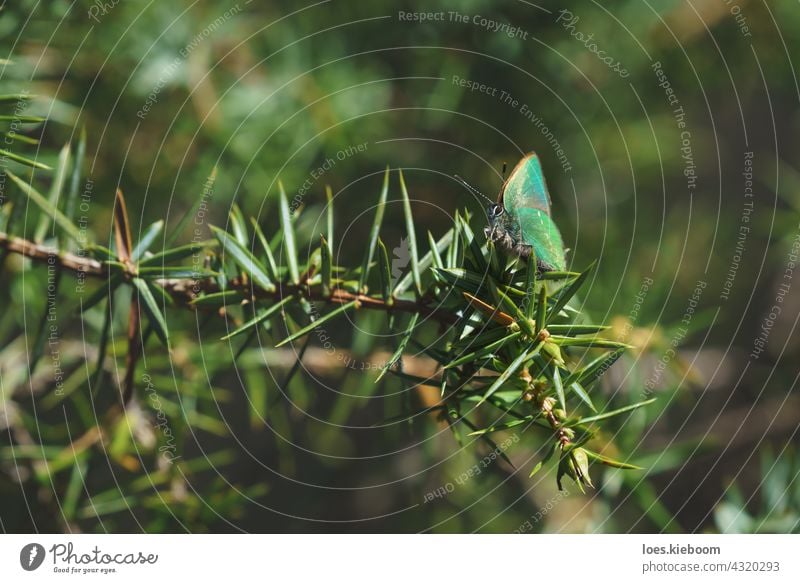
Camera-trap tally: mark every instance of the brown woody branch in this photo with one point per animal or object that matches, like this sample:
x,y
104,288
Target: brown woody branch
x,y
65,261
185,290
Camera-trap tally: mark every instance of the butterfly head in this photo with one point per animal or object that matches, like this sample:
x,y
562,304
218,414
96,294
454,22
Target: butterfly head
x,y
494,211
498,228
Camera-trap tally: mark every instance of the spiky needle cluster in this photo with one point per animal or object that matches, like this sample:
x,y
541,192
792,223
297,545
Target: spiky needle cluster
x,y
512,350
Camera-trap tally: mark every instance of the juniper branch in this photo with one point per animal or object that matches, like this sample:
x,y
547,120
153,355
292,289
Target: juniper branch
x,y
184,290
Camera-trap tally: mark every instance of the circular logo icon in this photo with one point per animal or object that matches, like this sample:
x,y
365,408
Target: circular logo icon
x,y
31,556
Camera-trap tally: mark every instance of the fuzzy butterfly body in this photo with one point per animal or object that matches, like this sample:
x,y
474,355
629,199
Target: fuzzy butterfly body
x,y
521,218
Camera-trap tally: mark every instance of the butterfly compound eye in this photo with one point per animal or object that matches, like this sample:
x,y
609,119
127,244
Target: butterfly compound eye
x,y
497,210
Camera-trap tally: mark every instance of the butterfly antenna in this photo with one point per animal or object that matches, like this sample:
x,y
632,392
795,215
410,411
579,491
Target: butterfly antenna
x,y
472,189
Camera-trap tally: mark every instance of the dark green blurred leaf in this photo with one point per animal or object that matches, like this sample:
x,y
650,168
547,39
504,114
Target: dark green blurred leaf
x,y
153,310
372,241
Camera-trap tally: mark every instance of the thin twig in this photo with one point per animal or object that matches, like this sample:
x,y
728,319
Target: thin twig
x,y
185,290
64,260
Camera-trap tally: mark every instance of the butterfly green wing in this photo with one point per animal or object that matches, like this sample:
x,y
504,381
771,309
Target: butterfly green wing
x,y
527,206
538,230
525,187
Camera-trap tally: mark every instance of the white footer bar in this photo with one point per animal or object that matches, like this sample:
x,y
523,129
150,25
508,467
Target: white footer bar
x,y
401,558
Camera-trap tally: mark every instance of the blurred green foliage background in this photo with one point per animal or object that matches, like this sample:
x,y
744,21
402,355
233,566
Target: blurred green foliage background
x,y
286,91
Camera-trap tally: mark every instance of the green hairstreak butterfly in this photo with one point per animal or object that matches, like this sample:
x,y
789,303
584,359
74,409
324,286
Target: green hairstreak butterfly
x,y
521,221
